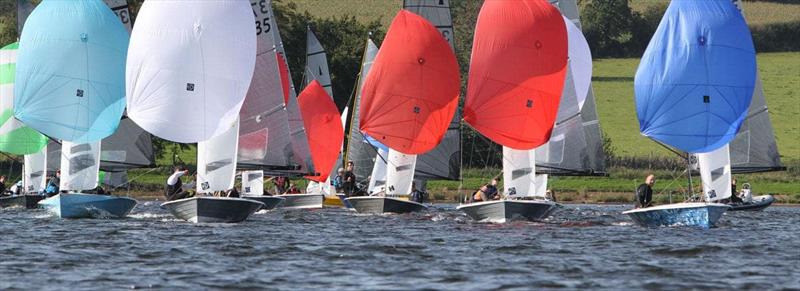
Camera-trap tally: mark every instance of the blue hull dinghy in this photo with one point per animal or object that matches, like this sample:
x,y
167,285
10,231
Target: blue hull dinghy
x,y
79,205
697,214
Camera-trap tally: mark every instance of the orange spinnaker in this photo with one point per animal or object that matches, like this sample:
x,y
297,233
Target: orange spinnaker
x,y
411,93
324,128
516,75
284,72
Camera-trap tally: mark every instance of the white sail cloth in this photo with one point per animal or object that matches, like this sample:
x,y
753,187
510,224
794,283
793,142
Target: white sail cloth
x,y
519,168
216,161
253,183
400,173
580,61
34,172
80,164
189,67
715,172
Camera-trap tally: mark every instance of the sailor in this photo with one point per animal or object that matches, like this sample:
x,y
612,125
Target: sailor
x,y
417,195
349,183
734,195
174,189
487,192
338,181
52,187
644,193
3,186
551,195
292,189
281,184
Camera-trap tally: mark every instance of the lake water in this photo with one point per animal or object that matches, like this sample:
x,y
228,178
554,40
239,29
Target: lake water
x,y
580,246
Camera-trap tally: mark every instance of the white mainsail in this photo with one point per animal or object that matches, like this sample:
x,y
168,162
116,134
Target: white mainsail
x,y
216,161
34,172
189,67
715,172
317,63
80,164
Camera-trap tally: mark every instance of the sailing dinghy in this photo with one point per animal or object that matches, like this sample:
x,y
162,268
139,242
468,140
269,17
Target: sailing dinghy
x,y
408,101
517,73
693,89
73,90
18,139
180,90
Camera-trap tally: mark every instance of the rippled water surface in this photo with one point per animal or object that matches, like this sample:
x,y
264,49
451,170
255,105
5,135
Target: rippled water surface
x,y
580,246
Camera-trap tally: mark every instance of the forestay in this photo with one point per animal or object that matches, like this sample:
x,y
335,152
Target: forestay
x,y
69,75
264,138
216,161
517,68
695,81
15,137
189,67
80,163
358,150
444,161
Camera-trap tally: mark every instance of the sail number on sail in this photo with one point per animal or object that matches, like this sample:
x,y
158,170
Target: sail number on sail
x,y
262,25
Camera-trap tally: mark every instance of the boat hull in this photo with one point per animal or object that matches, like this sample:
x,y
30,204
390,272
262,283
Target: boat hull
x,y
375,204
502,211
270,202
695,214
213,209
301,201
80,205
16,201
759,203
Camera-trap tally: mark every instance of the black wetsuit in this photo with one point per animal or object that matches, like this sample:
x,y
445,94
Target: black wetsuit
x,y
644,196
734,197
175,192
417,196
349,186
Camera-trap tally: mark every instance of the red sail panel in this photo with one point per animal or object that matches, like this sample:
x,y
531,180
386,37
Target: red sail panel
x,y
284,71
411,93
516,76
324,128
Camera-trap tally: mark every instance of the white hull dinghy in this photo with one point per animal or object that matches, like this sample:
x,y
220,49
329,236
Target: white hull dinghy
x,y
213,209
696,214
377,205
502,211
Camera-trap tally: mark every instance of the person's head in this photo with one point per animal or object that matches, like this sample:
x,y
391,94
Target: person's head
x,y
340,171
350,165
733,181
494,182
2,178
58,173
180,169
650,180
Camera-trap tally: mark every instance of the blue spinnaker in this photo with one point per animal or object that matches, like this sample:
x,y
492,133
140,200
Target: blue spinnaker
x,y
696,78
70,78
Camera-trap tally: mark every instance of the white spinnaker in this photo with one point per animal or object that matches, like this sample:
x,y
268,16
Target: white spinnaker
x,y
399,173
580,61
80,165
189,67
519,169
377,181
715,172
34,172
253,183
216,161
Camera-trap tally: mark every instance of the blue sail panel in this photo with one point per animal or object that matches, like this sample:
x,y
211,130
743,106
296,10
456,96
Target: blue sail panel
x,y
696,78
70,72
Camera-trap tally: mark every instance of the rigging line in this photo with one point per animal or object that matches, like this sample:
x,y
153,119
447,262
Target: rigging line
x,y
680,154
137,177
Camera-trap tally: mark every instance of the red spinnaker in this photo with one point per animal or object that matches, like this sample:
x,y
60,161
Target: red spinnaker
x,y
411,92
284,71
517,71
324,128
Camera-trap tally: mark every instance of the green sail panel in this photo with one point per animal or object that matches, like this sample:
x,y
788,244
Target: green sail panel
x,y
15,137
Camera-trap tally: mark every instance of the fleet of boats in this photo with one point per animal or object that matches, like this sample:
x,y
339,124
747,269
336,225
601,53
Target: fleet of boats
x,y
86,92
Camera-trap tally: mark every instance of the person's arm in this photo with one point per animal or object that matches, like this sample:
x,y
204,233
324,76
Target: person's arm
x,y
174,177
